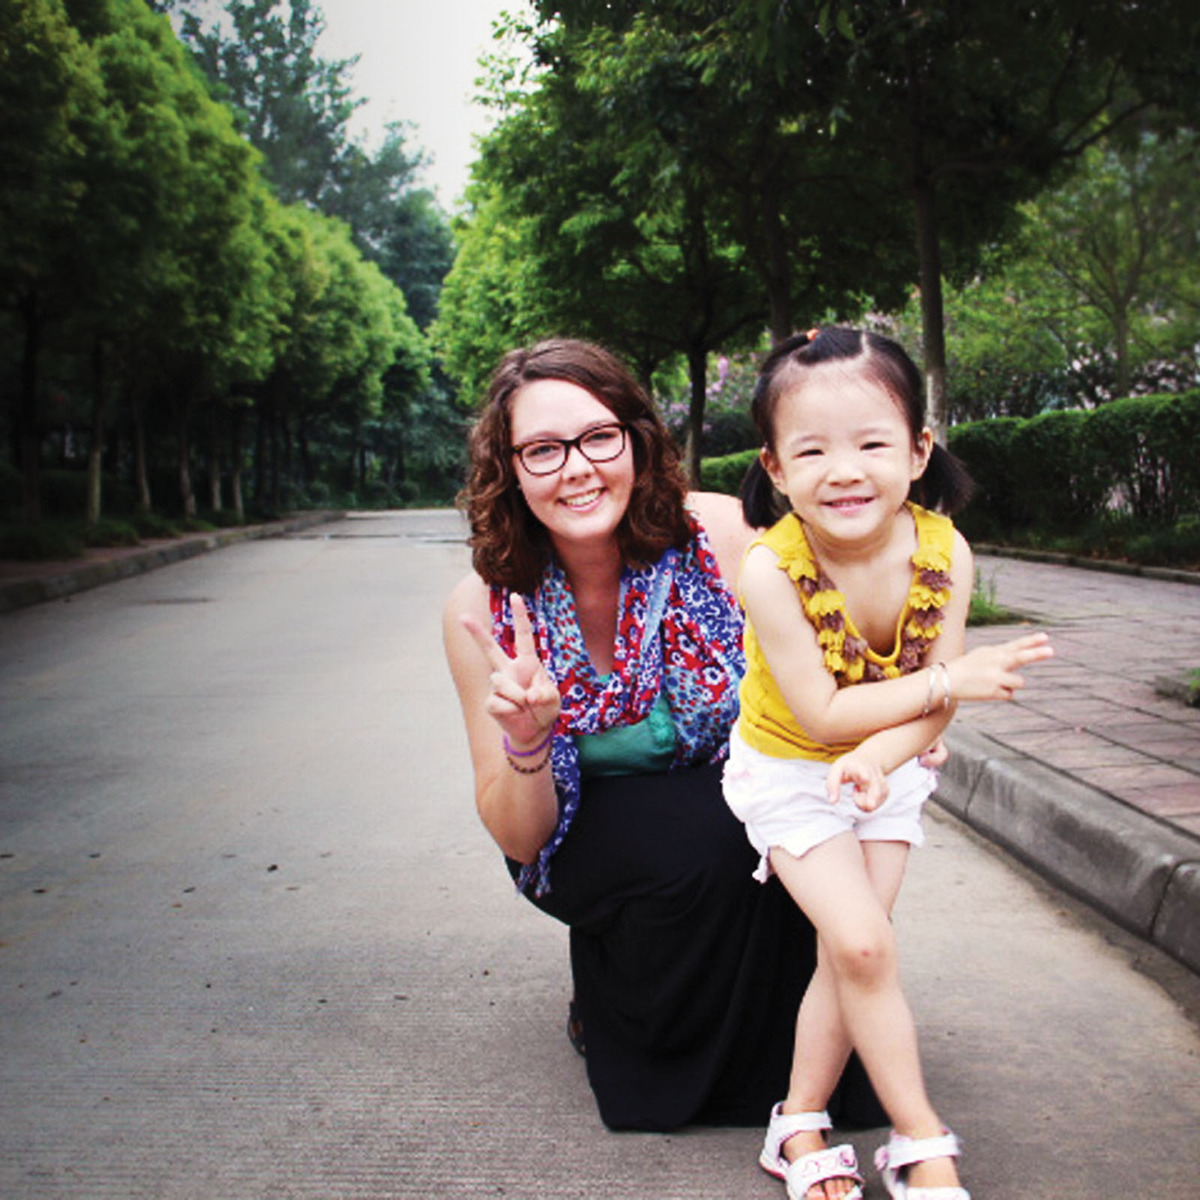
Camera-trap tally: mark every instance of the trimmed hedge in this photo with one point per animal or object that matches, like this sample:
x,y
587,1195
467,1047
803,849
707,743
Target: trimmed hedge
x,y
725,474
1119,480
1135,458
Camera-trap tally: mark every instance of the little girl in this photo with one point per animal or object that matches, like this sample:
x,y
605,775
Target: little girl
x,y
859,582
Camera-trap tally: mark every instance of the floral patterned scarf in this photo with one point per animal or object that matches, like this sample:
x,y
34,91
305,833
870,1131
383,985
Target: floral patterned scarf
x,y
679,632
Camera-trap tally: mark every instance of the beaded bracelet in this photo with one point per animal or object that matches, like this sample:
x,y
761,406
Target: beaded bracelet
x,y
516,766
512,752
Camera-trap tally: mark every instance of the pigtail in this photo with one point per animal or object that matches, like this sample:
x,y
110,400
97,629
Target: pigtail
x,y
946,484
762,505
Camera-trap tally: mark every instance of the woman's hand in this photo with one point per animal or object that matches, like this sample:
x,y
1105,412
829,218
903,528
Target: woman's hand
x,y
523,699
990,672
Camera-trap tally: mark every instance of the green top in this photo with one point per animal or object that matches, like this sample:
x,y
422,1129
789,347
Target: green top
x,y
642,749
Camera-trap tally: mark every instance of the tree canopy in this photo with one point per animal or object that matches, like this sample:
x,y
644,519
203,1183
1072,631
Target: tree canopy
x,y
155,278
840,155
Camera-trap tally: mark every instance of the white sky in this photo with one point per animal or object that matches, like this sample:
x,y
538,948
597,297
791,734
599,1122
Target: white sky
x,y
419,62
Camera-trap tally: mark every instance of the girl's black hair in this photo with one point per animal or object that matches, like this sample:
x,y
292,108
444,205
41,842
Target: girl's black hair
x,y
945,484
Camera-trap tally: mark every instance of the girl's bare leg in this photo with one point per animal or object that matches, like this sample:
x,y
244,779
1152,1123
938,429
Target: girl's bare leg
x,y
847,889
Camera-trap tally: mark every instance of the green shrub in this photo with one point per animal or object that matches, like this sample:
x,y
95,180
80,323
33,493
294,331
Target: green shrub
x,y
1147,446
30,543
110,532
1054,479
985,448
725,474
10,491
1065,480
1178,545
222,518
63,493
196,525
154,525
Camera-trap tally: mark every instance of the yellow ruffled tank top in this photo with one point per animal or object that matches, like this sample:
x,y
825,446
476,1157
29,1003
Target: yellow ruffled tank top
x,y
765,722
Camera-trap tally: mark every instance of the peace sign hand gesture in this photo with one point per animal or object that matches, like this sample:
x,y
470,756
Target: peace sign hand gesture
x,y
523,700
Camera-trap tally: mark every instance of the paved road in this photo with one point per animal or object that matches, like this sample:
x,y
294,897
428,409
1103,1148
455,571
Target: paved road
x,y
254,944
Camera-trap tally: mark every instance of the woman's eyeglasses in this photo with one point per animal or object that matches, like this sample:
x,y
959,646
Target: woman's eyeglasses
x,y
602,443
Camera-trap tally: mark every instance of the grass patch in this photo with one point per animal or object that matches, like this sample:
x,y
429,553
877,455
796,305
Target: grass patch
x,y
985,609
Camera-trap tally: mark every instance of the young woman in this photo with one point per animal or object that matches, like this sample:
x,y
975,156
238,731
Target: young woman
x,y
597,649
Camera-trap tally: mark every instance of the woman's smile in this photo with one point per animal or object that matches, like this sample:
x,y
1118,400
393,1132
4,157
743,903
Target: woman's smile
x,y
583,499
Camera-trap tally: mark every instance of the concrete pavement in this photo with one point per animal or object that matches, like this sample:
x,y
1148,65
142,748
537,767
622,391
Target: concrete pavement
x,y
255,945
26,583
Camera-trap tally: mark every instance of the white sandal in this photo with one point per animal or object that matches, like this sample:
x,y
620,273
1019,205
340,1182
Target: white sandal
x,y
834,1162
902,1152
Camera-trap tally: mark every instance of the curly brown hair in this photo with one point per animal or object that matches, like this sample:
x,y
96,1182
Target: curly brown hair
x,y
509,545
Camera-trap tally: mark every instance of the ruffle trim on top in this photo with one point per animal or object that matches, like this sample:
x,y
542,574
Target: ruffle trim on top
x,y
848,657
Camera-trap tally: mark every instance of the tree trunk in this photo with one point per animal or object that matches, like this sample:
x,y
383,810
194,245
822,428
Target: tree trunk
x,y
289,475
214,459
140,474
236,423
30,441
929,251
304,450
778,280
273,450
698,377
96,444
932,315
186,495
1121,341
260,453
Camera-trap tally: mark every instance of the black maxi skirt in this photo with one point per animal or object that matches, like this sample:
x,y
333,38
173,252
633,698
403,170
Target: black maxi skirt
x,y
688,973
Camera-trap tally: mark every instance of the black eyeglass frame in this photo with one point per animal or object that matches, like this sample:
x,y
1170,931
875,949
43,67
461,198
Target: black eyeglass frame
x,y
576,443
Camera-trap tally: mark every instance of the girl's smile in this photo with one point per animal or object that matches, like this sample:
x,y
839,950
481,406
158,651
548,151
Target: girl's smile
x,y
844,456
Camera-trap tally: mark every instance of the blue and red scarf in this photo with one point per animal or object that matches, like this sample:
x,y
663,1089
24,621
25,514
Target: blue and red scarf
x,y
679,632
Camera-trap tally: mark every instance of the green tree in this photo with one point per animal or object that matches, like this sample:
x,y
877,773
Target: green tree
x,y
1120,236
181,191
620,245
395,222
294,105
348,331
49,92
974,107
493,296
960,110
821,228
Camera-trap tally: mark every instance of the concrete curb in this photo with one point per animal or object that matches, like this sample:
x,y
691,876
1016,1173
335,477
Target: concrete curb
x,y
1141,873
1112,566
80,577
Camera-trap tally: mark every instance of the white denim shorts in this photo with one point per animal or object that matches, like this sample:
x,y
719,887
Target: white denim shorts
x,y
782,802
